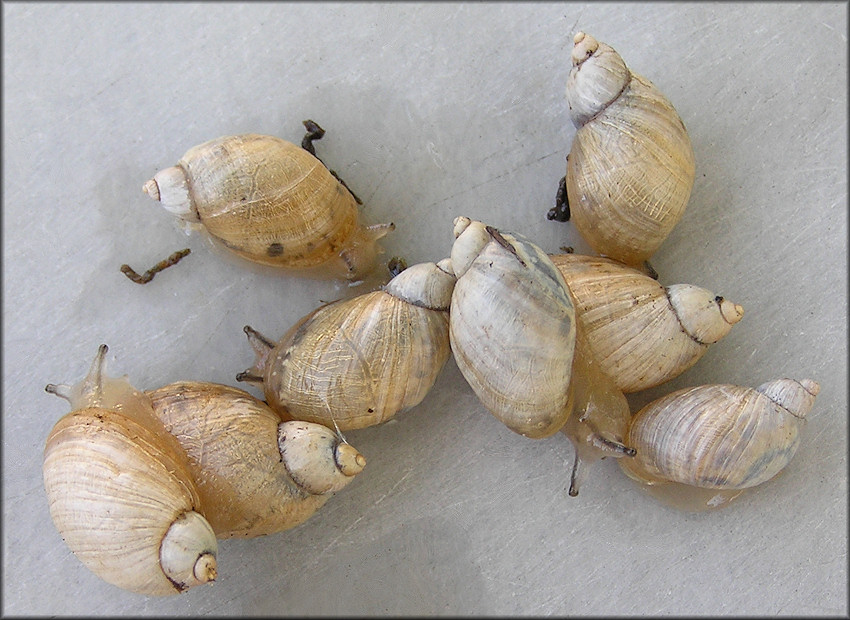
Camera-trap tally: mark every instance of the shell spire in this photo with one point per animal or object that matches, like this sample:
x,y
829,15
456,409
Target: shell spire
x,y
797,397
597,78
706,317
424,284
170,187
318,461
187,556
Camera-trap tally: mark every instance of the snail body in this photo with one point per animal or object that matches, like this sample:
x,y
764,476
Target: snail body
x,y
271,202
120,492
715,441
643,333
631,166
516,341
256,475
358,362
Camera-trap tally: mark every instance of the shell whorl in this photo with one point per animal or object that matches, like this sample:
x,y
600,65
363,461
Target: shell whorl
x,y
318,461
705,317
597,78
170,187
424,284
796,397
470,238
186,557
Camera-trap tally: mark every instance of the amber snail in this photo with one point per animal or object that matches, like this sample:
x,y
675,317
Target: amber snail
x,y
701,447
643,333
631,166
271,202
120,491
256,475
515,339
358,362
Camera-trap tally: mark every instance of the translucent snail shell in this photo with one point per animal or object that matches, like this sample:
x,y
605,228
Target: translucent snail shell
x,y
714,441
270,202
120,491
516,341
358,362
631,166
643,333
255,474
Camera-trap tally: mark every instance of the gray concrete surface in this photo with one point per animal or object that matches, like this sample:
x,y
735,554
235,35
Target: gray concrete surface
x,y
431,111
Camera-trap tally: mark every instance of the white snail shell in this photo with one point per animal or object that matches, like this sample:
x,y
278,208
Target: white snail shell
x,y
120,491
631,166
515,339
358,362
512,328
256,475
643,333
718,437
270,202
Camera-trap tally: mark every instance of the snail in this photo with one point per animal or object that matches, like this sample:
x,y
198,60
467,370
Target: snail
x,y
271,202
631,166
641,332
515,339
699,448
120,491
358,362
255,474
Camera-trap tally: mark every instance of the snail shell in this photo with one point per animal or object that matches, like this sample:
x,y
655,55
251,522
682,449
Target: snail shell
x,y
515,340
255,474
120,491
631,166
643,333
512,328
270,202
358,362
718,438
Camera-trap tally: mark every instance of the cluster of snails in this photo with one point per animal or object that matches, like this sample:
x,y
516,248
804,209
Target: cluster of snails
x,y
141,484
548,343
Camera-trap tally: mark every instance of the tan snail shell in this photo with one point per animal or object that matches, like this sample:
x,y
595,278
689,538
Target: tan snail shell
x,y
255,474
120,490
515,339
713,441
358,362
643,333
631,166
270,202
